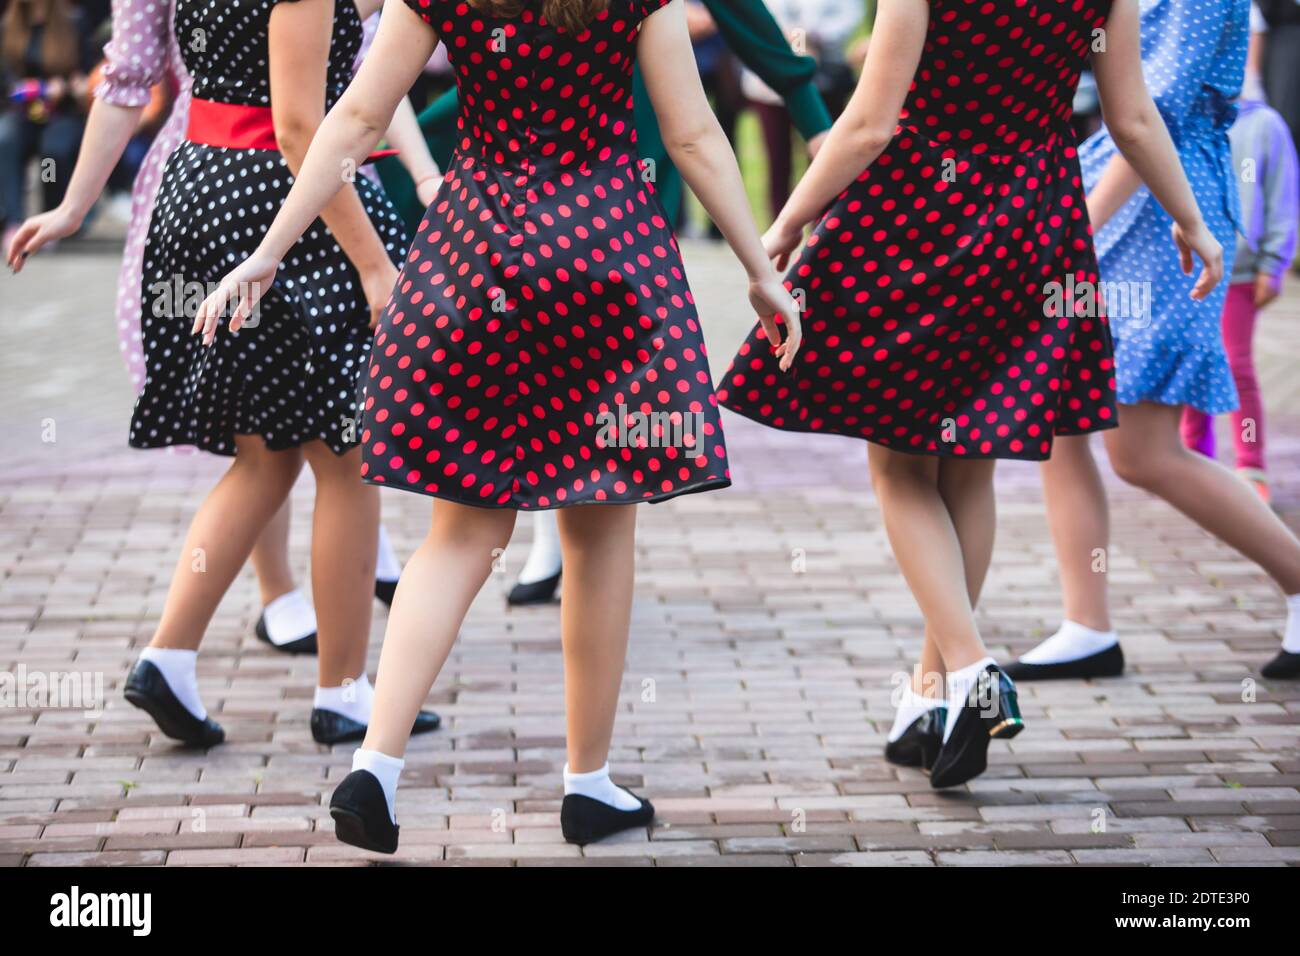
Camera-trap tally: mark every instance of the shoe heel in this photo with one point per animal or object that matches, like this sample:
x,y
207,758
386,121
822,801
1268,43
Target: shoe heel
x,y
1003,719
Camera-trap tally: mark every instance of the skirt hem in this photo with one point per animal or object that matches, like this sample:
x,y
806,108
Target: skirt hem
x,y
714,485
1026,455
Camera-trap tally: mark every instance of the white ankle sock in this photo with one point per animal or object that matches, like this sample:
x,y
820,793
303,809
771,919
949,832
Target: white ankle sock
x,y
912,706
387,566
353,699
597,785
959,684
177,666
1291,636
1070,643
290,617
544,559
386,769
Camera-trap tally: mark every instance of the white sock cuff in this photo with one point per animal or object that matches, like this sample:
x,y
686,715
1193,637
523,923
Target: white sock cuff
x,y
967,675
590,776
169,655
1075,628
914,701
373,760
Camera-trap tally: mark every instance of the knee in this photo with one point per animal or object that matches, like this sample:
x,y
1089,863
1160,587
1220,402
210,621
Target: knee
x,y
1141,467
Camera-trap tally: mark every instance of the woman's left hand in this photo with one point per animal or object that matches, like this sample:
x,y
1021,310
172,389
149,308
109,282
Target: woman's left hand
x,y
244,285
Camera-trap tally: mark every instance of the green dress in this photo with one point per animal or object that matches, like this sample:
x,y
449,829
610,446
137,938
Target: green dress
x,y
751,33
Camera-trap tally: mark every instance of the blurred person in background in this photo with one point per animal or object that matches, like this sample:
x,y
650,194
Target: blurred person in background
x,y
822,29
1281,66
1264,158
45,57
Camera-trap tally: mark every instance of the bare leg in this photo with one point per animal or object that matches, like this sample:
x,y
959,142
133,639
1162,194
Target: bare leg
x,y
270,557
436,589
344,538
1147,451
220,537
1079,515
928,550
595,612
967,491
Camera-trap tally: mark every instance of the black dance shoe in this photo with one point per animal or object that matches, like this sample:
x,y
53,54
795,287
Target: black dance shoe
x,y
1107,663
1286,666
991,712
147,689
584,820
920,743
303,645
384,590
535,592
331,727
360,812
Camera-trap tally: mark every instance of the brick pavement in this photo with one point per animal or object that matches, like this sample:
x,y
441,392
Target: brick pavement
x,y
756,695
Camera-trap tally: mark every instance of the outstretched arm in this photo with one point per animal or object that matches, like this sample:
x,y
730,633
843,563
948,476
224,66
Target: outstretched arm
x,y
1146,150
701,152
402,46
867,125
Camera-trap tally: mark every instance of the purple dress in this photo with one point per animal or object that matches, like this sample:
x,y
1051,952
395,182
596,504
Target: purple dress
x,y
141,54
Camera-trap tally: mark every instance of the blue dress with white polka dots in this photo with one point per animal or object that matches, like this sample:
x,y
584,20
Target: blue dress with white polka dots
x,y
1169,348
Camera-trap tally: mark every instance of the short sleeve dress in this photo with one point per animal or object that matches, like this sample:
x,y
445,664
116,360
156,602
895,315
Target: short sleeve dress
x,y
945,290
1194,60
542,347
296,376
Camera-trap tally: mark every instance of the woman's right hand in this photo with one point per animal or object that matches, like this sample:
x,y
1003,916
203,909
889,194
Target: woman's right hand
x,y
770,299
780,241
244,285
1199,240
37,231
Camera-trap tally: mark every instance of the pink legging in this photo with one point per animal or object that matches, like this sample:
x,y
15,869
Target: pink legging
x,y
1248,420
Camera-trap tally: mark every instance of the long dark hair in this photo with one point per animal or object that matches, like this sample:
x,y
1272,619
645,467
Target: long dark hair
x,y
573,16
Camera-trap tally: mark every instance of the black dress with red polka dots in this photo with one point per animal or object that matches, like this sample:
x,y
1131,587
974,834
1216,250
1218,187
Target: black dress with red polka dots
x,y
542,347
949,291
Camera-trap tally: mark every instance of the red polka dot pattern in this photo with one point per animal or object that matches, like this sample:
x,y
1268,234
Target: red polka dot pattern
x,y
543,291
928,327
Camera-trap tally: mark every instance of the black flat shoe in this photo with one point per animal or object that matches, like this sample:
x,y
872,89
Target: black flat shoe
x,y
303,645
147,689
1107,663
384,590
360,813
991,713
536,592
1286,666
920,743
584,820
331,727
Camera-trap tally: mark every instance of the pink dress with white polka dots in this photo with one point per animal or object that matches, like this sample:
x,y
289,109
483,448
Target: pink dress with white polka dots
x,y
142,54
947,297
542,348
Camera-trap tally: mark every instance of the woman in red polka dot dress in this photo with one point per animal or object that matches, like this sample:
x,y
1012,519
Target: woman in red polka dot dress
x,y
950,292
541,348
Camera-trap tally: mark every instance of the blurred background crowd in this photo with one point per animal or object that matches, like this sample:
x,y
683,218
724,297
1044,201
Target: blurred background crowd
x,y
51,54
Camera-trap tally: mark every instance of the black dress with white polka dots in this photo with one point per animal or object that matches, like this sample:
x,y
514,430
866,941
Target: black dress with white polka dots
x,y
294,376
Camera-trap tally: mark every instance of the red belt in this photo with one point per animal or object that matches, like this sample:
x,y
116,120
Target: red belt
x,y
240,127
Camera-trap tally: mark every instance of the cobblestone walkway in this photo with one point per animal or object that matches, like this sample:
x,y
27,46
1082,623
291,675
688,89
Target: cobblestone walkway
x,y
769,627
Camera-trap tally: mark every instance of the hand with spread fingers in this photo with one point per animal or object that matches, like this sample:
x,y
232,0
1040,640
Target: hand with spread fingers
x,y
239,292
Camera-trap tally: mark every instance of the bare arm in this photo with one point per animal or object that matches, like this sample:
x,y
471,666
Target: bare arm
x,y
867,125
402,46
298,43
695,142
1146,150
108,130
405,136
